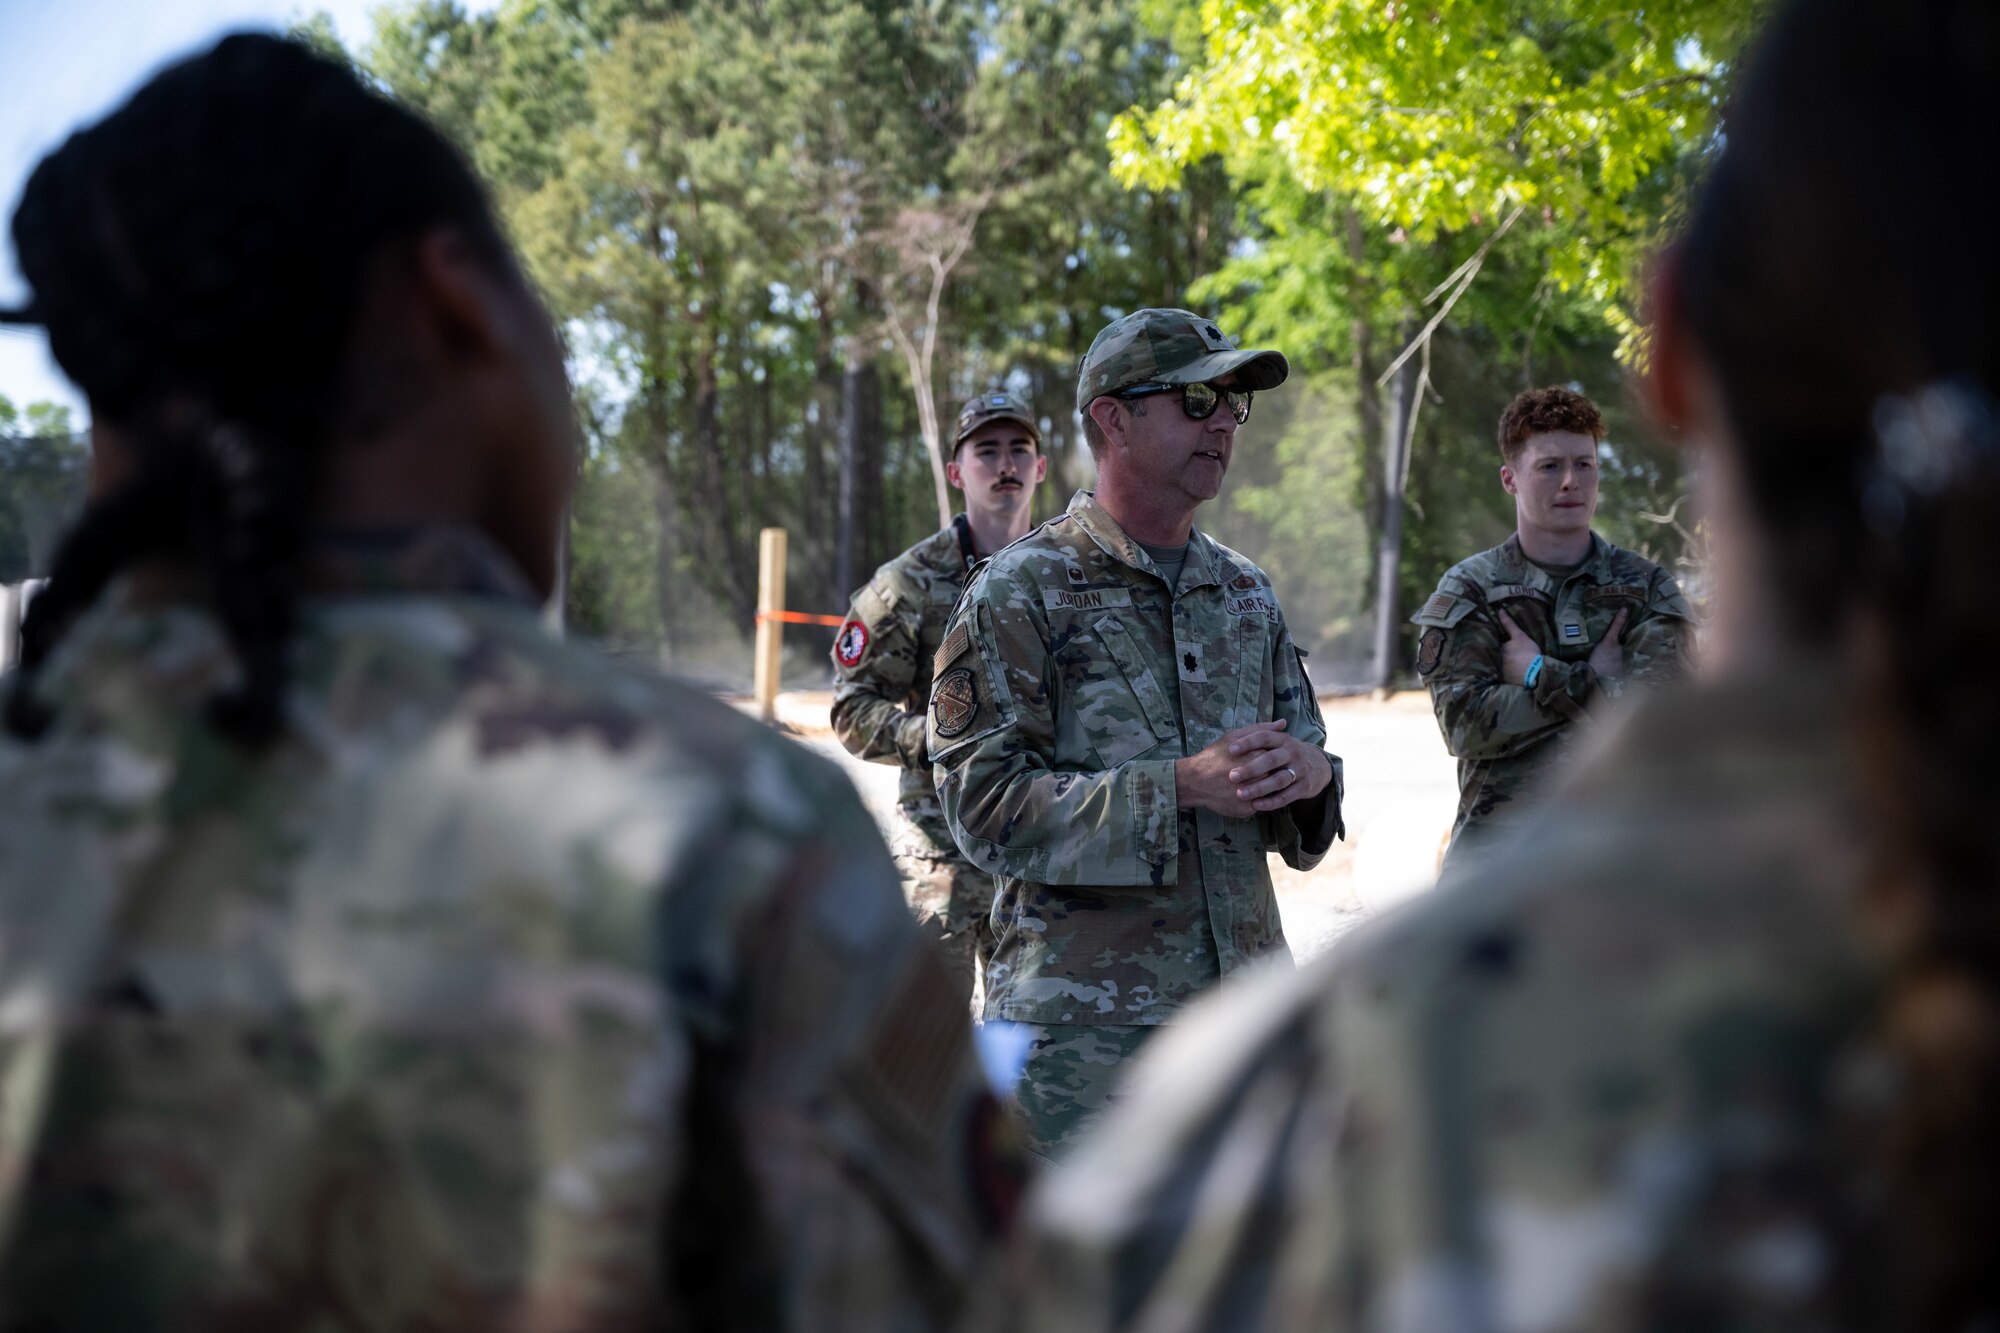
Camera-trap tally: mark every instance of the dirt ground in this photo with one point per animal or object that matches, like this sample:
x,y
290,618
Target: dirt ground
x,y
1401,790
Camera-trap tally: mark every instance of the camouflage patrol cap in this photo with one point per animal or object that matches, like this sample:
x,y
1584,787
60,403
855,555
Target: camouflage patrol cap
x,y
982,408
1169,347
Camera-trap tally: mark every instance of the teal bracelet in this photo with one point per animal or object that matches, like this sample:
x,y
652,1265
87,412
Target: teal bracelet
x,y
1534,670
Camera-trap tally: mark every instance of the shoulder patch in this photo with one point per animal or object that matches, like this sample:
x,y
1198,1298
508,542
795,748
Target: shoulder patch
x,y
1443,610
852,644
955,642
954,702
1430,649
1663,597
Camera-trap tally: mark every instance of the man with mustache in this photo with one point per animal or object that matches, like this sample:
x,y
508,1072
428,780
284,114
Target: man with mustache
x,y
1123,728
1520,641
882,662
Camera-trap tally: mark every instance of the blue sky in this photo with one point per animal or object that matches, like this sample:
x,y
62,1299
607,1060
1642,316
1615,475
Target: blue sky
x,y
66,62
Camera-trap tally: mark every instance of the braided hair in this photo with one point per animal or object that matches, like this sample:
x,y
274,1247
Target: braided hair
x,y
197,258
1839,279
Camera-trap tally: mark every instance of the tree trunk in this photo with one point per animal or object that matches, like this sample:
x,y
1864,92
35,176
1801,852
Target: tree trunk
x,y
873,547
739,576
1389,544
666,510
847,539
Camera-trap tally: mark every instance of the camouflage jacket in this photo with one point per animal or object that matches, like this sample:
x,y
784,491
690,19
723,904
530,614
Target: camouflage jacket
x,y
882,663
510,989
1055,736
1508,738
1609,1079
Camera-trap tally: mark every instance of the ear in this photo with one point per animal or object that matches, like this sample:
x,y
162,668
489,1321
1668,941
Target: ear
x,y
1507,482
1041,467
954,474
457,296
1105,412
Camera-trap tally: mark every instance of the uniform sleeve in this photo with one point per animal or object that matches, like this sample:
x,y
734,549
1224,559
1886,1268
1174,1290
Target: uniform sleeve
x,y
1303,831
1657,649
875,666
843,1162
993,742
1482,716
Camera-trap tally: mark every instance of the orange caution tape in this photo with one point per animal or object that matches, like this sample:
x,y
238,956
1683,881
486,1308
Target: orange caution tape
x,y
802,618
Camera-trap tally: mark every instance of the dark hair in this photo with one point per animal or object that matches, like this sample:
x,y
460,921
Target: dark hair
x,y
1535,411
197,258
1837,277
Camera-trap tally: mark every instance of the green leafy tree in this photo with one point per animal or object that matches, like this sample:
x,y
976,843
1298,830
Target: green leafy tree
x,y
1483,173
42,469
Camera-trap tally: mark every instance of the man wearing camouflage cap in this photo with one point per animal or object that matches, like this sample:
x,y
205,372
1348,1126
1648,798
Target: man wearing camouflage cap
x,y
1123,728
882,661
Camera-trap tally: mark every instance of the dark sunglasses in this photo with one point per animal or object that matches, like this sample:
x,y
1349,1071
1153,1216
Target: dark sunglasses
x,y
1197,400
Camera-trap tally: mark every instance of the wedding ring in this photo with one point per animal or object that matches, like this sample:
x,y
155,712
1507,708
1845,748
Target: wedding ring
x,y
1288,770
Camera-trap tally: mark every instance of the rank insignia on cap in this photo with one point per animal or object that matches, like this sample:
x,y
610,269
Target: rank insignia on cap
x,y
953,702
852,645
996,400
1211,337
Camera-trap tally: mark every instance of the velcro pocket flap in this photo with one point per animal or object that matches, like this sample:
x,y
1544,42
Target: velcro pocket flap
x,y
1443,610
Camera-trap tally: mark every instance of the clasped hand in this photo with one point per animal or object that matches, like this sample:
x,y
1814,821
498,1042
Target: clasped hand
x,y
1251,770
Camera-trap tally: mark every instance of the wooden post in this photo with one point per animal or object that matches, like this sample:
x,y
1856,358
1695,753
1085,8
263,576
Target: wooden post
x,y
10,625
770,630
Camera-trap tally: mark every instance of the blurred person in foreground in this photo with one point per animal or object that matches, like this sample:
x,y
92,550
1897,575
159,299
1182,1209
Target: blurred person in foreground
x,y
1521,643
370,957
883,657
1715,1043
1124,731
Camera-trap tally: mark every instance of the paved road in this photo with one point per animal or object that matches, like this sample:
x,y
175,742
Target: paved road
x,y
1401,789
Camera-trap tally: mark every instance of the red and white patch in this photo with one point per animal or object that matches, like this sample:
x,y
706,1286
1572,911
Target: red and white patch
x,y
852,645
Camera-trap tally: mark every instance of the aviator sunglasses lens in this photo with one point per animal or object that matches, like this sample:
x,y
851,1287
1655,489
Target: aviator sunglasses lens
x,y
1199,400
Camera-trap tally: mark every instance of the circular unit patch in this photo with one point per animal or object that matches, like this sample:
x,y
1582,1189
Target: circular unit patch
x,y
1429,650
852,645
953,702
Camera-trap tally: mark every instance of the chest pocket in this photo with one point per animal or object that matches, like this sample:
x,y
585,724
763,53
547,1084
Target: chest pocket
x,y
1124,724
1251,689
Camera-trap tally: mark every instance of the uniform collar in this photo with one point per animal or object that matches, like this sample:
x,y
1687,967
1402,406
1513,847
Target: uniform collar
x,y
1526,573
1097,523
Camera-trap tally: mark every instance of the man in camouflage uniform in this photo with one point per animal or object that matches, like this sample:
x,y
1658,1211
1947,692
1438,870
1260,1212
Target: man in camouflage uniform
x,y
1123,728
883,656
1521,641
